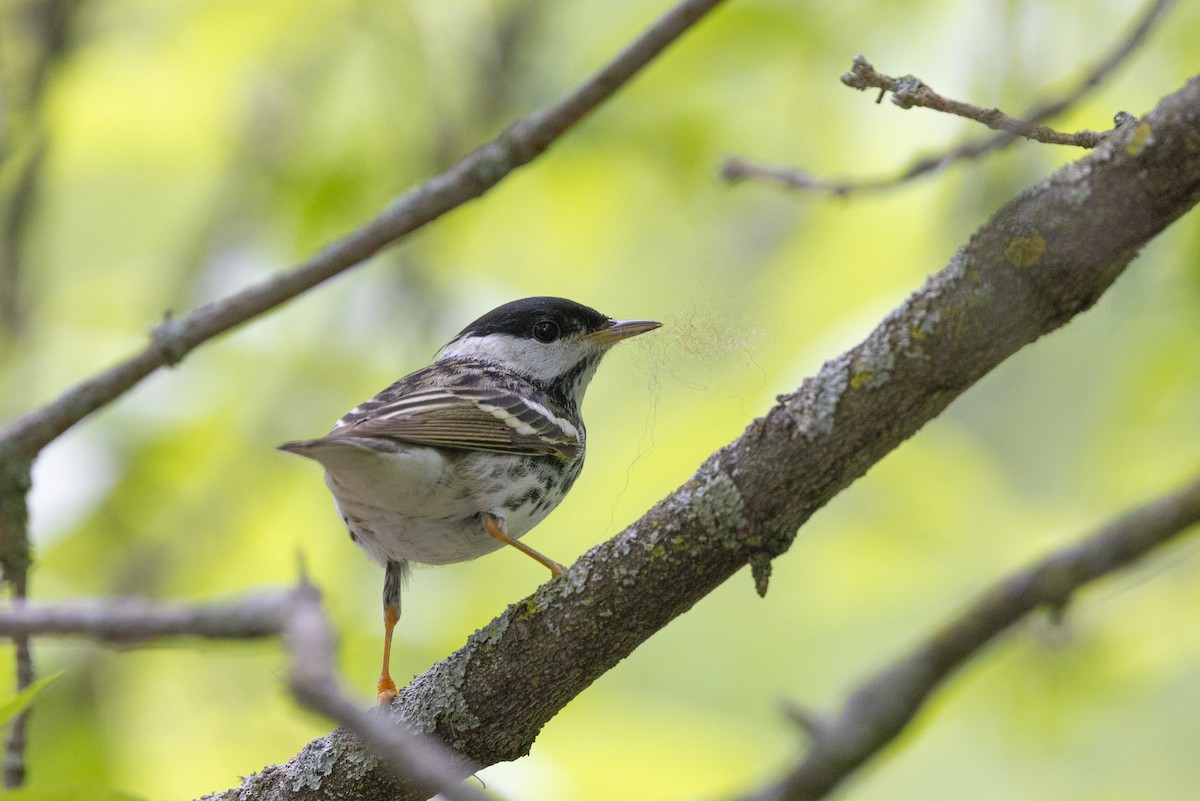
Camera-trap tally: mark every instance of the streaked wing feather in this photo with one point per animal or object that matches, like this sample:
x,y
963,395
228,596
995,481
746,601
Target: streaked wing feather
x,y
470,418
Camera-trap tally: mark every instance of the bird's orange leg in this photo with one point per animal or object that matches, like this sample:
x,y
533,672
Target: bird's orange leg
x,y
393,580
387,687
495,529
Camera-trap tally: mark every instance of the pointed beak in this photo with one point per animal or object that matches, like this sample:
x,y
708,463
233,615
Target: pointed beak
x,y
622,329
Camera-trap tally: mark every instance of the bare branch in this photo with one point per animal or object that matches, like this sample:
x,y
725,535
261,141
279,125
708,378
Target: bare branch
x,y
132,620
14,747
1043,258
909,91
735,169
478,172
880,709
738,169
297,614
14,564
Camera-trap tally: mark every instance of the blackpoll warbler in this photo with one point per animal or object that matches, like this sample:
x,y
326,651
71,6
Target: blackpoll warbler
x,y
473,451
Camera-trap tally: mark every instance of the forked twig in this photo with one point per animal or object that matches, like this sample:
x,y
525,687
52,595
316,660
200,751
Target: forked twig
x,y
737,168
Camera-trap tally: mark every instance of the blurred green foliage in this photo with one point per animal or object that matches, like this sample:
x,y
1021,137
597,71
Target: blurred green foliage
x,y
195,146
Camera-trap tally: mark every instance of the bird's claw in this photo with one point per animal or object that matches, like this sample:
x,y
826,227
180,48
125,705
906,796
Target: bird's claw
x,y
387,691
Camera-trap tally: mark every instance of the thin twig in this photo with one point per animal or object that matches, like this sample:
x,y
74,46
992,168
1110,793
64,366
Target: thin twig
x,y
298,615
909,91
14,750
132,620
882,707
14,565
737,168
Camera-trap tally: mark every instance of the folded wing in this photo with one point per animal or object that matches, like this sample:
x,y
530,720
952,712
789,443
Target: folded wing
x,y
468,418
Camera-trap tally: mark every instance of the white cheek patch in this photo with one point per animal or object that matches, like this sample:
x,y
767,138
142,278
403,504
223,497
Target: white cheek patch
x,y
541,361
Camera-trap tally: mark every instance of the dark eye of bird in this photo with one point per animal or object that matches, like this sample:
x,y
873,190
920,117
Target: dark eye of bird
x,y
545,330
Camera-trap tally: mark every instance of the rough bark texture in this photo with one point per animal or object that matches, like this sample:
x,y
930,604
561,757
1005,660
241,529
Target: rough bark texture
x,y
1043,258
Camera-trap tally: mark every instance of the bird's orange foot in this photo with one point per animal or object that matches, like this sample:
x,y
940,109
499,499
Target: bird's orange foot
x,y
387,690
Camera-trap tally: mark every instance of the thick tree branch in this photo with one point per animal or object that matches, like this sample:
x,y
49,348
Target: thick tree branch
x,y
1043,258
421,760
882,707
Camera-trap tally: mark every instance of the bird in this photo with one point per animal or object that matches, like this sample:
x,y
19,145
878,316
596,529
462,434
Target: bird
x,y
468,454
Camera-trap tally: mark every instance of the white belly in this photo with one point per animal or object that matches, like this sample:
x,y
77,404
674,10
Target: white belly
x,y
420,505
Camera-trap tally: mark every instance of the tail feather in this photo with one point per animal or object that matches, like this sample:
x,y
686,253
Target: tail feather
x,y
299,447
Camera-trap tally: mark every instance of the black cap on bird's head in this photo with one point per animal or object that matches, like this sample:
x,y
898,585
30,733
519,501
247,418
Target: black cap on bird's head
x,y
543,338
517,318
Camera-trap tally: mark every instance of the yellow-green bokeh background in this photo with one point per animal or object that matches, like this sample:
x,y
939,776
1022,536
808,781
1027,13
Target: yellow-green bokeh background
x,y
197,146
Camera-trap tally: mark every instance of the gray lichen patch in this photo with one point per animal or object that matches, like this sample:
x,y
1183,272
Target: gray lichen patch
x,y
493,632
356,764
309,769
715,507
1073,183
574,580
876,357
438,694
831,384
924,322
921,323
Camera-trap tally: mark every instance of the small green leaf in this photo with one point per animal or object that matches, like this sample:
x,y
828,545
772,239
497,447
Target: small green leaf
x,y
10,709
